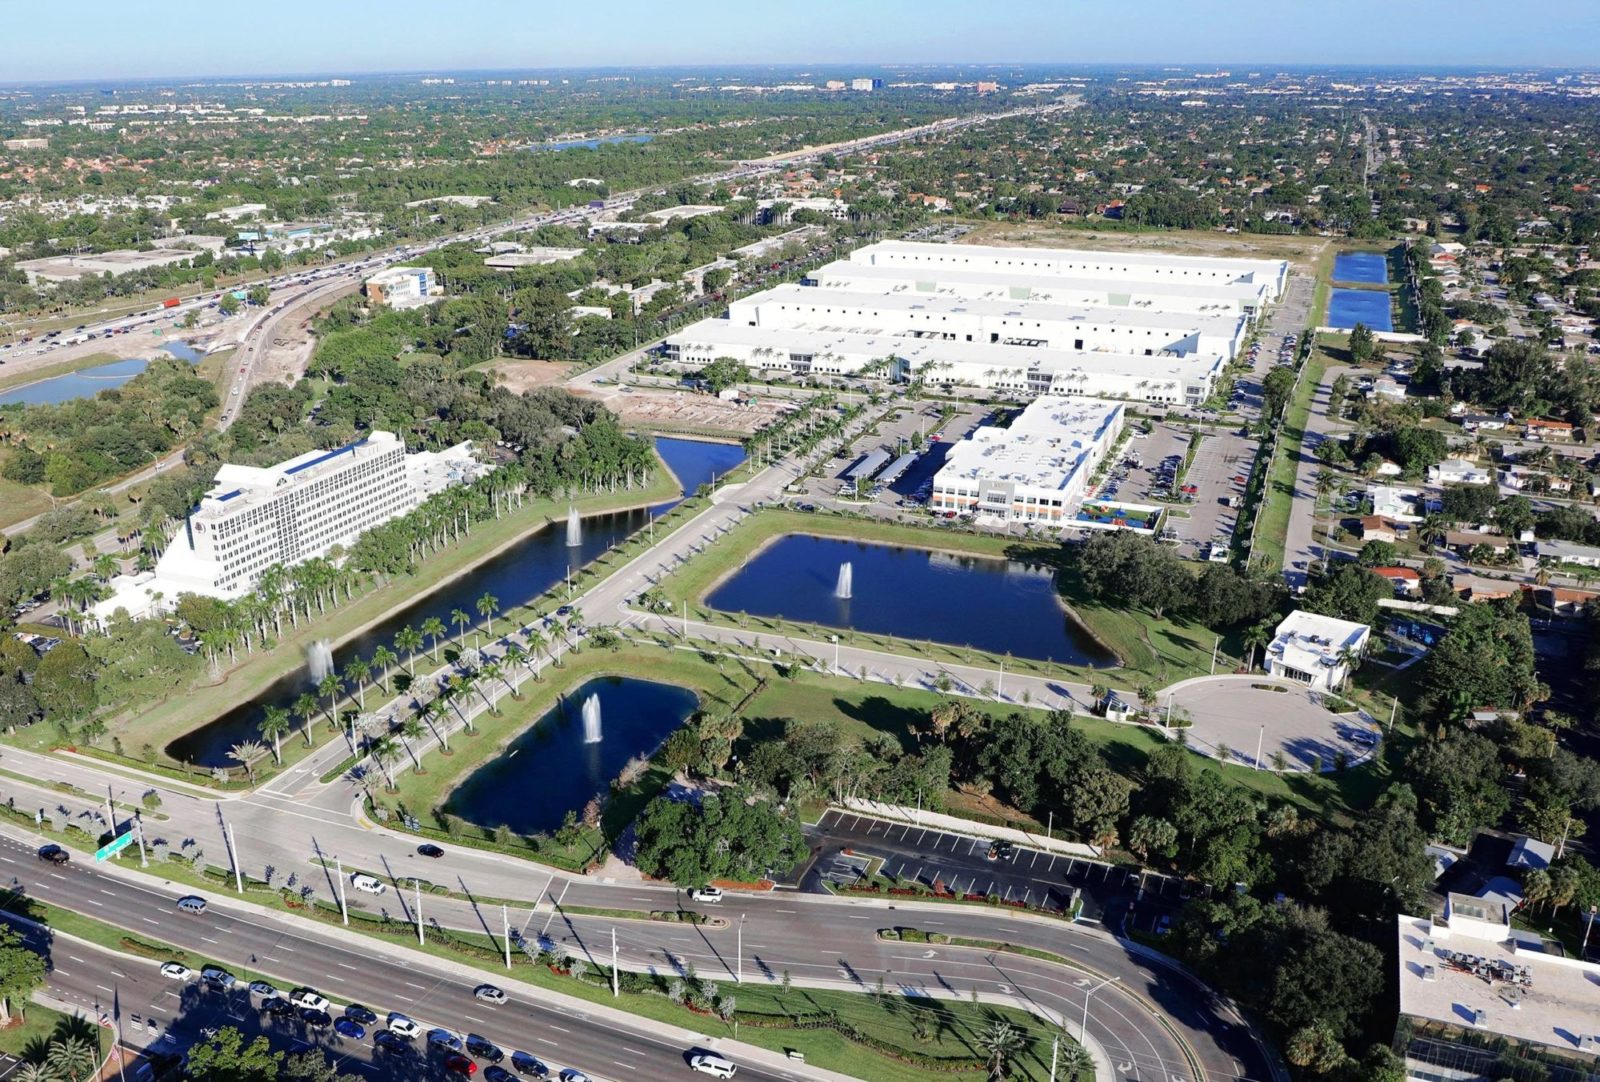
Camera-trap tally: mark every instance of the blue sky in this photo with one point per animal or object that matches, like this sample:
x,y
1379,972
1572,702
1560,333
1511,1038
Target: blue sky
x,y
78,39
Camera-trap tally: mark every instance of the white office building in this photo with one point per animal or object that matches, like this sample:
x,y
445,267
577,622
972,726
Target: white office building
x,y
1070,263
1037,469
1315,649
1014,372
254,517
403,287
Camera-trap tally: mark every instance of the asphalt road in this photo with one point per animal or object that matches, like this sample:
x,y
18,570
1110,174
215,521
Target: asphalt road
x,y
424,990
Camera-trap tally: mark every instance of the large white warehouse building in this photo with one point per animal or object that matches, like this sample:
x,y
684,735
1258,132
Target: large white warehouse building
x,y
1035,470
1241,297
1165,378
1070,263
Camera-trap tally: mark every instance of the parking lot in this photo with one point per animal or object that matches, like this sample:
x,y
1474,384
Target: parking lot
x,y
1199,510
905,496
962,864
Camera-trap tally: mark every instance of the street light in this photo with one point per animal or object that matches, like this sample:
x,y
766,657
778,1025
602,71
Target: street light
x,y
835,639
1083,1032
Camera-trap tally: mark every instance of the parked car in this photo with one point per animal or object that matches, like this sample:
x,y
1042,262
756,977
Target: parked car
x,y
309,998
529,1065
461,1065
315,1019
392,1043
361,1014
428,849
443,1038
350,1028
483,1048
401,1026
262,988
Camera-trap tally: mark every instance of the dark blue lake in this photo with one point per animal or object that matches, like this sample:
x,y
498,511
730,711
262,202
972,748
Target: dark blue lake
x,y
996,605
1347,307
1361,267
88,382
551,768
516,576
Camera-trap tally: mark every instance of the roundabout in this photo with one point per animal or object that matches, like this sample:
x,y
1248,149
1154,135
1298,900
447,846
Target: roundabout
x,y
1270,723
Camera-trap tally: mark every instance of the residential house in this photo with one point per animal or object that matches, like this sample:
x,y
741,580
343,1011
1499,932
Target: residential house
x,y
1464,541
1482,422
1536,428
1455,471
1378,528
1407,581
1569,552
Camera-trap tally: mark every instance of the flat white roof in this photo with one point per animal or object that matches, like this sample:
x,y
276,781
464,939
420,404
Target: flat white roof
x,y
239,485
1273,267
1182,323
1043,446
1447,976
919,352
1000,280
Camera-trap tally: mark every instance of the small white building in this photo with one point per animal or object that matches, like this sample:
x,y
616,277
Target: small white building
x,y
1569,552
1396,504
403,287
1315,649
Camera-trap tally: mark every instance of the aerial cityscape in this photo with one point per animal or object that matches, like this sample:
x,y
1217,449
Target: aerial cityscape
x,y
890,542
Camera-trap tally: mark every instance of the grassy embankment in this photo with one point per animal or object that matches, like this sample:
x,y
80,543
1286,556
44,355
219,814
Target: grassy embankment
x,y
1272,526
817,1023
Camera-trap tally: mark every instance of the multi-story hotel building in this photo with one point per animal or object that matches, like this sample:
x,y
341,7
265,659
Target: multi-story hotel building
x,y
254,517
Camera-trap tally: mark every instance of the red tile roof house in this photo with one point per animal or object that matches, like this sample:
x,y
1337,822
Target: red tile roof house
x,y
1405,580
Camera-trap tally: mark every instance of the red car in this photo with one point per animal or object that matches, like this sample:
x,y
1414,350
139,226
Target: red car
x,y
461,1065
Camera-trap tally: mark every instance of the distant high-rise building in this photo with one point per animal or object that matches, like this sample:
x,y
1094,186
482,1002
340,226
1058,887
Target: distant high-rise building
x,y
866,84
835,84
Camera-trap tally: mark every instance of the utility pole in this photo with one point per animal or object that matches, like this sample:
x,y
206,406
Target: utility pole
x,y
1000,688
344,910
738,977
111,811
505,927
686,619
1394,708
1260,739
1055,1047
1050,825
421,938
233,853
616,989
138,836
1214,648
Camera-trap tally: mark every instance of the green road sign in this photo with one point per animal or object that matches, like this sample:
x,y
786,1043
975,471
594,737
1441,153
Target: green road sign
x,y
114,846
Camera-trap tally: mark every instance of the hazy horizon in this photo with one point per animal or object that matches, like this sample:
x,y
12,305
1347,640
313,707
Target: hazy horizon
x,y
98,41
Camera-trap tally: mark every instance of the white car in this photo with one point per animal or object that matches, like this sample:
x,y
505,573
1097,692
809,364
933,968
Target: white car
x,y
262,988
709,895
712,1064
366,883
401,1026
177,971
488,993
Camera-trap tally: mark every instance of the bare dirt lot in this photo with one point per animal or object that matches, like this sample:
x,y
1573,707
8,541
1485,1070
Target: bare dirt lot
x,y
1300,250
520,376
687,411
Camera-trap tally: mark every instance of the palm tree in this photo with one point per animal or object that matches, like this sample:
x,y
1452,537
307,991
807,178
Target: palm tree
x,y
409,639
305,705
1075,1061
358,670
384,752
383,660
433,627
487,606
410,733
330,686
1000,1041
35,1072
433,714
273,726
460,618
245,753
1255,637
73,1059
536,642
494,672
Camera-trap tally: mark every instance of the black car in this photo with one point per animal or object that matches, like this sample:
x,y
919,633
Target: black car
x,y
483,1048
498,1074
315,1019
529,1065
428,849
276,1006
357,1013
392,1043
54,854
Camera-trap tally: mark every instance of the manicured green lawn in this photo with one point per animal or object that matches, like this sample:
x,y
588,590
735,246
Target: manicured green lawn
x,y
34,1027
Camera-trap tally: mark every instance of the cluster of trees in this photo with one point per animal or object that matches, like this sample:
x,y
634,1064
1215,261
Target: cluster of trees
x,y
1129,569
78,444
731,834
226,1056
1521,377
